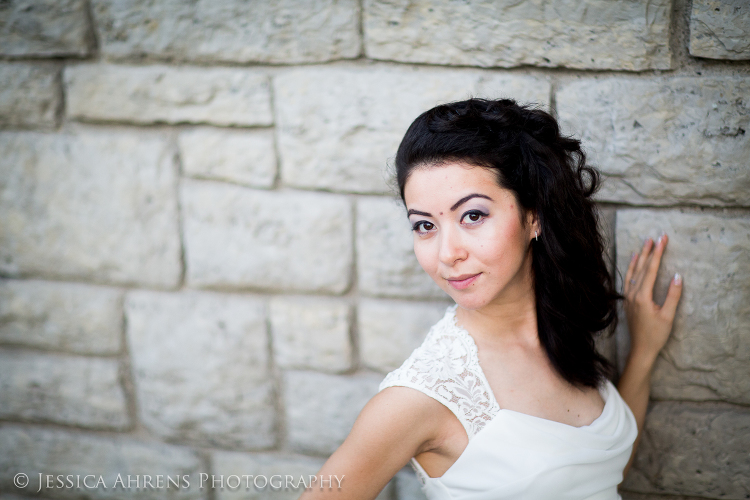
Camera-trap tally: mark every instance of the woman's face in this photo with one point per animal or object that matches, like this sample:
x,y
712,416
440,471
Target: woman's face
x,y
468,234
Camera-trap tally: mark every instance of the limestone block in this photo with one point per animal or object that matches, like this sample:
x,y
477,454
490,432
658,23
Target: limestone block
x,y
664,141
720,29
35,450
708,353
629,495
283,31
242,156
29,94
311,333
388,491
390,330
321,408
691,449
264,476
61,316
200,363
606,343
91,205
44,28
337,127
168,94
241,238
589,34
386,264
408,486
72,390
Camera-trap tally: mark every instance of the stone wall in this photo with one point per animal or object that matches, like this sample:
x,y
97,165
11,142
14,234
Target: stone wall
x,y
204,270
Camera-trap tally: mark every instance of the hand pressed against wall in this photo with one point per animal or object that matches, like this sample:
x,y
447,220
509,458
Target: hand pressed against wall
x,y
649,323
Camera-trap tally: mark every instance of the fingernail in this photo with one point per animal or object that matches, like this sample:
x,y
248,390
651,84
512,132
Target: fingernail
x,y
677,279
632,256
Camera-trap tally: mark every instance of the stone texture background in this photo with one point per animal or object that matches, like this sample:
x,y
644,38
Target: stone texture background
x,y
203,268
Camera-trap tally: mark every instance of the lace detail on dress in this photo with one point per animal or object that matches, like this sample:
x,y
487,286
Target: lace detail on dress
x,y
446,368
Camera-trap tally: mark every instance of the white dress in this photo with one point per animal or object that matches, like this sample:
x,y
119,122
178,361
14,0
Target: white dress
x,y
512,455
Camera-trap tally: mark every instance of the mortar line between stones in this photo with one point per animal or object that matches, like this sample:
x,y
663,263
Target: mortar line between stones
x,y
177,165
688,65
356,361
126,370
553,86
361,29
92,36
276,149
277,376
59,114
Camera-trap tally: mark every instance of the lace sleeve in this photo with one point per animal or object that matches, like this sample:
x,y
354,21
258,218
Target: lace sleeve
x,y
446,368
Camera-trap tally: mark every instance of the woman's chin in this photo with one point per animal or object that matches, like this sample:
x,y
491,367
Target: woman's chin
x,y
468,301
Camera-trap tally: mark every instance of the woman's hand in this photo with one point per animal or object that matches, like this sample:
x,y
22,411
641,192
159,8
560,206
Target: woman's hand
x,y
649,323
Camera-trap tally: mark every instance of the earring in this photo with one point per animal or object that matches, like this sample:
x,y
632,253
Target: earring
x,y
536,236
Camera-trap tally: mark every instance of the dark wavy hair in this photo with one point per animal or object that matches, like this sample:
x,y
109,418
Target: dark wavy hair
x,y
576,298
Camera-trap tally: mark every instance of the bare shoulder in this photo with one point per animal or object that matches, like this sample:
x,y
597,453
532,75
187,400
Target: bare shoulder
x,y
395,425
404,415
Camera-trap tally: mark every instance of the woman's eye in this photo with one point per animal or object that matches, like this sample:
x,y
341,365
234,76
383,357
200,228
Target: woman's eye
x,y
423,226
473,216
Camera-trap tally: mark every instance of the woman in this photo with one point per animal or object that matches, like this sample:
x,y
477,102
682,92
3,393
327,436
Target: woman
x,y
507,396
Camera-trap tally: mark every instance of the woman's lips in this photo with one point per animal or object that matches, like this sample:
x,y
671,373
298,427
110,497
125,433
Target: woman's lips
x,y
463,281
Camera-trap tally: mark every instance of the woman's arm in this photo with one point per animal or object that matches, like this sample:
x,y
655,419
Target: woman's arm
x,y
395,425
649,326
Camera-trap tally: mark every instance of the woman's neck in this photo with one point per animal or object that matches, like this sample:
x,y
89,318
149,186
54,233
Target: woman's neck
x,y
511,318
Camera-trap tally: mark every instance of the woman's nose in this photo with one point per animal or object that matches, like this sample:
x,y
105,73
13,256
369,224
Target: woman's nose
x,y
451,248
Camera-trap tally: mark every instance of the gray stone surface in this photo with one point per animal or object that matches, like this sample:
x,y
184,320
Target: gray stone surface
x,y
587,34
34,450
386,265
242,238
168,94
338,126
29,94
68,317
390,330
321,408
607,220
71,390
606,343
629,495
200,364
664,141
692,449
710,343
96,205
44,28
265,473
311,333
241,156
720,29
282,31
408,486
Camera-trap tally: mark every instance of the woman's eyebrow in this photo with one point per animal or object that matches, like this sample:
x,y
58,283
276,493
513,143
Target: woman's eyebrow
x,y
417,212
467,198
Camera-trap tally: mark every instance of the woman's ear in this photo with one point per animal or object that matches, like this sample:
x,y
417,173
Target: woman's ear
x,y
533,222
